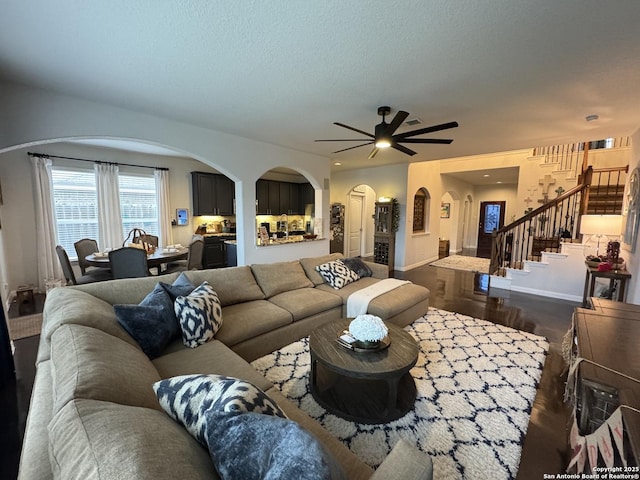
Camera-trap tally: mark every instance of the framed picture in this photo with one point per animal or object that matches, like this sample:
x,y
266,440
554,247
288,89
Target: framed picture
x,y
445,210
182,216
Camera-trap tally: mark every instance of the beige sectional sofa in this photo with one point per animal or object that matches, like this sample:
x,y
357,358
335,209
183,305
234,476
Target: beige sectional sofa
x,y
93,412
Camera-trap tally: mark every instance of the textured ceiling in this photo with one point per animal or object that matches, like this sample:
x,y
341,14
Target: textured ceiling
x,y
514,74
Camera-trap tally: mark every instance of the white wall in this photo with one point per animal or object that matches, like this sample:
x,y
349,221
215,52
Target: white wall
x,y
388,181
32,117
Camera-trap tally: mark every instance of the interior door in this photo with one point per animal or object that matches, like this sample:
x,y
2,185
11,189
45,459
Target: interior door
x,y
491,218
355,225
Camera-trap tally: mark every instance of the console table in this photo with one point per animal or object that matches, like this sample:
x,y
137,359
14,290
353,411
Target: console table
x,y
607,337
612,275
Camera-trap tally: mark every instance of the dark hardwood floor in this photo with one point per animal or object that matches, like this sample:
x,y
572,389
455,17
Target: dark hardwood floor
x,y
544,448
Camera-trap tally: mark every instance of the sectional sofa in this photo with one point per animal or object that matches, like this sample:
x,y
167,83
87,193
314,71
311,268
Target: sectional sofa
x,y
93,411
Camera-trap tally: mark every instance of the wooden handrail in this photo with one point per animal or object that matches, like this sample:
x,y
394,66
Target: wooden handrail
x,y
551,203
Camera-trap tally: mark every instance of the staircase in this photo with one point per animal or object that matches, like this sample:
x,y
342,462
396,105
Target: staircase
x,y
541,253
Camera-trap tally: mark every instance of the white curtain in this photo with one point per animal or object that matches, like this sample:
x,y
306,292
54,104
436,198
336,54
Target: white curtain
x,y
164,207
46,235
110,234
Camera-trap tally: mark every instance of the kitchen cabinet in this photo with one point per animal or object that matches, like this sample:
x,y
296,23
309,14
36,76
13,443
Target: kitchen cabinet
x,y
275,198
214,253
213,194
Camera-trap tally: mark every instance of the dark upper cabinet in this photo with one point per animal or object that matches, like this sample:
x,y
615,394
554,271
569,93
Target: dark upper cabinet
x,y
213,194
276,198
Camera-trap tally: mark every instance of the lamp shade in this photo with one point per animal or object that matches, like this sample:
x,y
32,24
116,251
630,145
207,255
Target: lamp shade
x,y
601,224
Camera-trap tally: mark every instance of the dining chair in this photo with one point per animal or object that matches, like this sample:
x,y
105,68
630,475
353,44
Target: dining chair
x,y
128,262
85,247
67,269
193,261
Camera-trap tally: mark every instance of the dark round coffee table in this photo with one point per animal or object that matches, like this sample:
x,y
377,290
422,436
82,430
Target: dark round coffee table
x,y
364,387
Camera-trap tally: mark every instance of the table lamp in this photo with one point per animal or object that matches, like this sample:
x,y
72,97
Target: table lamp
x,y
601,226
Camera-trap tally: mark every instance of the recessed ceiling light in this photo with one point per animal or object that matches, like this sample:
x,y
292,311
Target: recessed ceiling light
x,y
337,164
591,118
486,175
498,181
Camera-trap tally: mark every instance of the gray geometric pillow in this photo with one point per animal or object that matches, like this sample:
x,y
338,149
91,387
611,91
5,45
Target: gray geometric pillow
x,y
199,315
337,274
187,398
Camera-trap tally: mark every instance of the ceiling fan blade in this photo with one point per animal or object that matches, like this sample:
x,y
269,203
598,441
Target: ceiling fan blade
x,y
400,117
403,149
354,129
351,148
435,128
373,153
444,141
343,140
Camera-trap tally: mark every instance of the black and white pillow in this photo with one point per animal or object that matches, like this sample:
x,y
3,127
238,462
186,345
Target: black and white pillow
x,y
337,274
187,399
199,315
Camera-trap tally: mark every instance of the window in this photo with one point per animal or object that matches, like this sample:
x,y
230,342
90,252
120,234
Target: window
x,y
76,205
421,211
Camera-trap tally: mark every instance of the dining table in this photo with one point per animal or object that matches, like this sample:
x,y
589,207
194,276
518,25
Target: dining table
x,y
154,260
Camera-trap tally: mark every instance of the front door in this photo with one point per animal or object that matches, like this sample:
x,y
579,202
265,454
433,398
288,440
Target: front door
x,y
491,219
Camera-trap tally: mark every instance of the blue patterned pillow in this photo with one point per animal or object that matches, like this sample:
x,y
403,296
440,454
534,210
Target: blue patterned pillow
x,y
188,397
337,274
152,323
251,446
199,315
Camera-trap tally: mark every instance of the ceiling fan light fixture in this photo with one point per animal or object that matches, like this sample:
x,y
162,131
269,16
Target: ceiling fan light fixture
x,y
383,143
383,139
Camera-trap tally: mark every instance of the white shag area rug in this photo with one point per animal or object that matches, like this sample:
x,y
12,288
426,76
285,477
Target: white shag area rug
x,y
462,262
476,384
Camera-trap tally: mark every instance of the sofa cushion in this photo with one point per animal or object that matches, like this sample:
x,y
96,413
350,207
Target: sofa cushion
x,y
199,315
233,284
152,323
398,300
250,319
125,290
213,357
95,439
88,363
309,266
303,303
254,447
348,289
337,274
357,265
188,398
275,278
66,306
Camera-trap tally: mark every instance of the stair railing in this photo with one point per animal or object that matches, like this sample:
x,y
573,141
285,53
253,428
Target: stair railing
x,y
541,229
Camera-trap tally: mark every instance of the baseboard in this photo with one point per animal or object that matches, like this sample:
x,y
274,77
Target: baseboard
x,y
547,293
416,265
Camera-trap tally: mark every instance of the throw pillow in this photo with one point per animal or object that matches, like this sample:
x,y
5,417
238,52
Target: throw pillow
x,y
199,315
152,323
186,398
255,447
337,274
357,265
182,286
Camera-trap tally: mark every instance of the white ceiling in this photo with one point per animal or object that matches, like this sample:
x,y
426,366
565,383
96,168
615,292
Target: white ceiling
x,y
514,74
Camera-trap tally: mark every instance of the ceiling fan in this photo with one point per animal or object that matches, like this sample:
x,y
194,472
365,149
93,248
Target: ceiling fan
x,y
384,134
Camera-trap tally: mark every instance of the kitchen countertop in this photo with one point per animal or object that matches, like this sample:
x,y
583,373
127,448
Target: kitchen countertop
x,y
290,240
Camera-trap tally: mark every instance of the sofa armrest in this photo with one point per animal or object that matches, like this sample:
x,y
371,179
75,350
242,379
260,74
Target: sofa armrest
x,y
378,270
405,462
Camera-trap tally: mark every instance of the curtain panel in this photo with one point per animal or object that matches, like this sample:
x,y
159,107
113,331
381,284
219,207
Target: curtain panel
x,y
164,207
110,234
47,260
